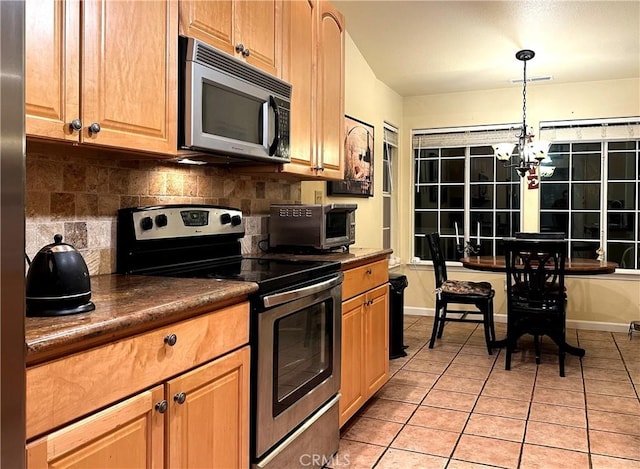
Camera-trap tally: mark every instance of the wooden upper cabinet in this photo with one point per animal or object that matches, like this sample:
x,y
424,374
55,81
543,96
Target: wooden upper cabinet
x,y
249,30
52,68
114,65
299,69
129,80
313,62
331,90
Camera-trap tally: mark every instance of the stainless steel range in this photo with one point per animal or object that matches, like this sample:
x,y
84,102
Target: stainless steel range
x,y
295,329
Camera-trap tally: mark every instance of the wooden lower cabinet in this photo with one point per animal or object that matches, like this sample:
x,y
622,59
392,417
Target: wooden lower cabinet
x,y
127,434
204,424
365,338
210,427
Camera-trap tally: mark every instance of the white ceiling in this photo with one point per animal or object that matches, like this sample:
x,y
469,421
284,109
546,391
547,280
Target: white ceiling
x,y
431,47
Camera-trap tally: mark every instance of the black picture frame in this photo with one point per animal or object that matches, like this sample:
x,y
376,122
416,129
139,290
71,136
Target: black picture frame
x,y
358,161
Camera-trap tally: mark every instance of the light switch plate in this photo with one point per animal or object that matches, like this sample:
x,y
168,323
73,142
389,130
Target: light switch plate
x,y
317,196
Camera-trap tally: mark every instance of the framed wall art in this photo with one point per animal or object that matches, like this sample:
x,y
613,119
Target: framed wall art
x,y
358,161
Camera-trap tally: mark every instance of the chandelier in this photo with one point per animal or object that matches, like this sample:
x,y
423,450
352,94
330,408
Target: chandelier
x,y
530,153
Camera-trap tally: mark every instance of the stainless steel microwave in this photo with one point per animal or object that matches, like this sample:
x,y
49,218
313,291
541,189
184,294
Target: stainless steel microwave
x,y
319,227
228,107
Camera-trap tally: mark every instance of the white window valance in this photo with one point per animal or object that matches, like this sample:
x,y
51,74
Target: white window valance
x,y
590,129
465,136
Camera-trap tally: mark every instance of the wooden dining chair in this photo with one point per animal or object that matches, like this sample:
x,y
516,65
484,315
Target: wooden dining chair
x,y
536,297
448,292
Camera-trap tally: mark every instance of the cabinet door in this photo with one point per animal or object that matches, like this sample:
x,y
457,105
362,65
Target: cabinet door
x,y
233,26
209,21
129,74
259,30
52,52
351,374
301,19
128,434
331,91
209,425
376,332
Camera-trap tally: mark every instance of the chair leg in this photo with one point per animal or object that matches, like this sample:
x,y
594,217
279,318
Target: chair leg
x,y
561,361
487,326
442,320
493,330
536,343
436,323
507,356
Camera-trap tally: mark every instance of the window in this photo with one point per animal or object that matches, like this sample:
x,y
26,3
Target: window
x,y
590,188
462,191
389,182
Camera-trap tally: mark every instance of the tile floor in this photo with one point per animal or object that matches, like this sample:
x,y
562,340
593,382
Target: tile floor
x,y
455,406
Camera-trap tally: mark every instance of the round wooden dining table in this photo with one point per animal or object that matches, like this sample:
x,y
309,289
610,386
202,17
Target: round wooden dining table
x,y
572,267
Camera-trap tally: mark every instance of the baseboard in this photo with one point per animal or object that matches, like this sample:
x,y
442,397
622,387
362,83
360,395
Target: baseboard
x,y
571,323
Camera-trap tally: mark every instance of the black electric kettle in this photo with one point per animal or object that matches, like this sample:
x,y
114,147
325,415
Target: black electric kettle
x,y
58,281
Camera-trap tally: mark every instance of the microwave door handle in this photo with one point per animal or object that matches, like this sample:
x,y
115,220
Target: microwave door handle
x,y
276,138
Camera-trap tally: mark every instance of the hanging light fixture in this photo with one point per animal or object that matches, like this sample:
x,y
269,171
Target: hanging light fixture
x,y
530,153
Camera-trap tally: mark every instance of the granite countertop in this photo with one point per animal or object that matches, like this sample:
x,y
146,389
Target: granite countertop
x,y
125,305
130,304
350,259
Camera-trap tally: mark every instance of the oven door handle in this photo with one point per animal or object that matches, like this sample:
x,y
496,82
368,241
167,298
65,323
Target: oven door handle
x,y
280,298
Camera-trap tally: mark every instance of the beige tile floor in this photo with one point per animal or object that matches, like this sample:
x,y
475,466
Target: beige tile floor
x,y
455,406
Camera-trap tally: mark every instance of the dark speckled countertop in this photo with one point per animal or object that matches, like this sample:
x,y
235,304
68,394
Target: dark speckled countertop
x,y
353,258
130,304
126,305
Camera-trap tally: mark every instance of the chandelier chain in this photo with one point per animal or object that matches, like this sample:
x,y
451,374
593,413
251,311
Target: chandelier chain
x,y
524,103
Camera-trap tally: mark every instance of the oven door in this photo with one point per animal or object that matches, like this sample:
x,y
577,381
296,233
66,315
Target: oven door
x,y
298,358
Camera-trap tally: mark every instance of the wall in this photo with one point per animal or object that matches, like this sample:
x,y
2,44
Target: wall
x,y
609,301
371,101
77,194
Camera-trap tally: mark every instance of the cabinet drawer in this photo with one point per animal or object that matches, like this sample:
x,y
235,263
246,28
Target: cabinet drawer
x,y
65,389
366,277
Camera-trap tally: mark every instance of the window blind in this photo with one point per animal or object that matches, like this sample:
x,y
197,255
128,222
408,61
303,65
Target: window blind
x,y
390,135
464,136
592,129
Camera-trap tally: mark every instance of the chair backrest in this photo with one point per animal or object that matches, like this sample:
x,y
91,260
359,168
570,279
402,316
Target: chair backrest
x,y
439,263
535,272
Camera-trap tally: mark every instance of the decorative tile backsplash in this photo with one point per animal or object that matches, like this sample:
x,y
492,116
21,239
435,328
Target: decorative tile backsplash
x,y
78,196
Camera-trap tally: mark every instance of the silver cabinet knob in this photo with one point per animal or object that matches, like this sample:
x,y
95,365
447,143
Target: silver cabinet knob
x,y
240,48
171,340
76,124
162,406
180,398
94,128
246,52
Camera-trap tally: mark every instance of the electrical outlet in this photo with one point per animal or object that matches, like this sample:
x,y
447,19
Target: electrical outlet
x,y
317,197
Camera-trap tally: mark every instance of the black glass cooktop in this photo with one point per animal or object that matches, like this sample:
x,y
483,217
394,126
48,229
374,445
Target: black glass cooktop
x,y
270,274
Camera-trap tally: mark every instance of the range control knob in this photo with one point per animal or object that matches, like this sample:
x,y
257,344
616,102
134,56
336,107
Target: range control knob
x,y
225,218
146,223
161,220
236,220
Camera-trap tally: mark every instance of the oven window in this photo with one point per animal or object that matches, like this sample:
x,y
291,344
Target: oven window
x,y
336,225
303,353
230,114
